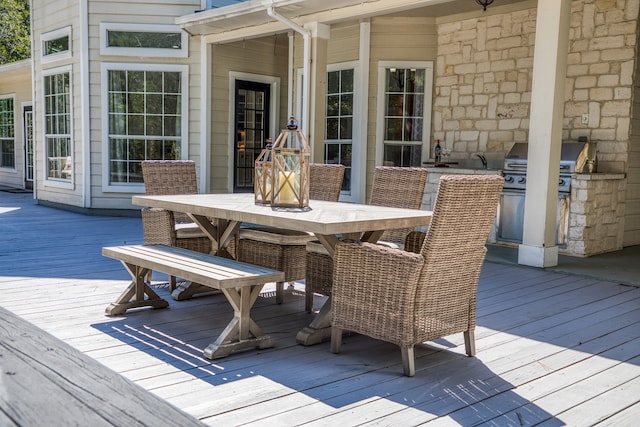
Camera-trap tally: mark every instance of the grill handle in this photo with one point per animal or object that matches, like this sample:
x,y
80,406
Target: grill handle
x,y
516,166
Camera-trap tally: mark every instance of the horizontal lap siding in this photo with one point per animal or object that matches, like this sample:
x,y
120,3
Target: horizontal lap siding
x,y
17,84
395,39
49,16
267,56
143,12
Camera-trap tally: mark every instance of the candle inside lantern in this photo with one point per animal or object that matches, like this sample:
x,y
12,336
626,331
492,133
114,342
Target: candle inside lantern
x,y
286,183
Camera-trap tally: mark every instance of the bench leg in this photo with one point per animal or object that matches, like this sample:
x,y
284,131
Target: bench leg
x,y
134,295
241,332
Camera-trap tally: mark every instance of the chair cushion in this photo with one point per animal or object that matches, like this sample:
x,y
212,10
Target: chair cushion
x,y
316,247
277,236
188,231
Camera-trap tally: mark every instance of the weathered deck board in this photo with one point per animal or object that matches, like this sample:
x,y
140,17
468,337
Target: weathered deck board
x,y
553,348
45,379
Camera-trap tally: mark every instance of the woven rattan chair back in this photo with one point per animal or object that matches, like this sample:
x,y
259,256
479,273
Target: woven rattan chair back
x,y
167,177
454,250
325,181
400,297
398,187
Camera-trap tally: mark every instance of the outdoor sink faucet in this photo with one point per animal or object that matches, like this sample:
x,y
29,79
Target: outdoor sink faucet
x,y
483,159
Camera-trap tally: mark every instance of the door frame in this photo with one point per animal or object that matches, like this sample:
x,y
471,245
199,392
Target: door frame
x,y
274,119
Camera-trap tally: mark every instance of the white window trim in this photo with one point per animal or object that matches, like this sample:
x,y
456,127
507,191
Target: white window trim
x,y
15,134
184,129
274,108
52,35
428,107
183,52
48,181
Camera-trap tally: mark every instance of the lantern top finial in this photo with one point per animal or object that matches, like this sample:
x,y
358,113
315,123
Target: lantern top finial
x,y
292,124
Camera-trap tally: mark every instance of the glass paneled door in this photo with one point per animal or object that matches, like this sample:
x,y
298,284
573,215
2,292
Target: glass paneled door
x,y
251,130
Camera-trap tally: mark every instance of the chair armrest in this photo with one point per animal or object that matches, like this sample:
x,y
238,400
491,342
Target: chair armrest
x,y
158,227
374,289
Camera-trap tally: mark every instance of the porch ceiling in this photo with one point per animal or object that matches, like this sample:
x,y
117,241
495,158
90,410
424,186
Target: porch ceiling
x,y
249,19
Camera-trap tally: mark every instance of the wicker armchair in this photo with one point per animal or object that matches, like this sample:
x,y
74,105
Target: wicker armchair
x,y
392,186
408,298
165,177
284,250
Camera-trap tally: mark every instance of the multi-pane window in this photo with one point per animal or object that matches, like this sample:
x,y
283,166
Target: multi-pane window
x,y
339,121
7,134
404,103
144,120
57,126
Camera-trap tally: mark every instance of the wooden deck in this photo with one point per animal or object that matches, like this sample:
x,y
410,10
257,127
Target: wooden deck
x,y
553,349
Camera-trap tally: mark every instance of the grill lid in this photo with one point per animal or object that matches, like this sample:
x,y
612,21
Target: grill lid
x,y
570,154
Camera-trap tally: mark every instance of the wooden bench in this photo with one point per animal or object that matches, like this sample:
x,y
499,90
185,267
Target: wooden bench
x,y
45,381
240,283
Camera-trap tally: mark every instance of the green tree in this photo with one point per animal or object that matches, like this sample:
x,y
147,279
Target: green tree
x,y
15,37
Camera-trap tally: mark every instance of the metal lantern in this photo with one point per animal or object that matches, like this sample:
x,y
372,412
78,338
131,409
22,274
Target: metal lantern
x,y
291,156
263,179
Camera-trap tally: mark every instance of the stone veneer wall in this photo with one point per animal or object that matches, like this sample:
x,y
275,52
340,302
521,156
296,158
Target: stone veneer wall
x,y
596,217
484,77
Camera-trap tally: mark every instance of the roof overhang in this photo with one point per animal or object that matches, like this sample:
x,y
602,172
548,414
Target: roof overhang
x,y
249,19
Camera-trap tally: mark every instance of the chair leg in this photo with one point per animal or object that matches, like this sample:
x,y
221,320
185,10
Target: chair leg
x,y
408,361
336,339
172,283
470,343
308,301
279,292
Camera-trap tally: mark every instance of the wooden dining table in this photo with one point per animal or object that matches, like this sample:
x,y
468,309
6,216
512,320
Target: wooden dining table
x,y
328,221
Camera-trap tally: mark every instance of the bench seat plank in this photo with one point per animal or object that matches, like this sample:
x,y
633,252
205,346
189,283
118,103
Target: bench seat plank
x,y
240,283
209,270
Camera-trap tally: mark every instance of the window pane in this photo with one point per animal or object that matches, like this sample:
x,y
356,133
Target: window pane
x,y
395,104
347,81
154,125
332,153
58,45
135,81
346,104
135,124
333,105
332,128
162,40
346,127
395,80
333,82
172,104
393,129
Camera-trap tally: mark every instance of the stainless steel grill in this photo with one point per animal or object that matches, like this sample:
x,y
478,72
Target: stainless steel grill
x,y
575,157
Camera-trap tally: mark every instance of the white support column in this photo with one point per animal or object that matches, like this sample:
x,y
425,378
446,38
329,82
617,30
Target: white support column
x,y
538,248
317,80
206,58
